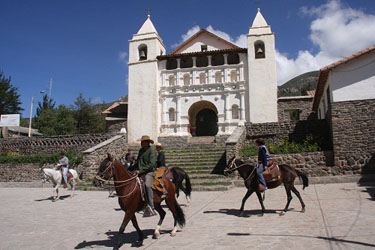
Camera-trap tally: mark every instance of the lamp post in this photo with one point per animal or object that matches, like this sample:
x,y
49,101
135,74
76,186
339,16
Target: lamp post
x,y
31,112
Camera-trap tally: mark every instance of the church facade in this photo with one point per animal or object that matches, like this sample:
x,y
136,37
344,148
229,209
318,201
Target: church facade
x,y
207,86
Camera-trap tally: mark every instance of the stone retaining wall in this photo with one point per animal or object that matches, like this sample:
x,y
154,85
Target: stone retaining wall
x,y
51,144
353,135
117,146
25,172
296,131
312,163
301,103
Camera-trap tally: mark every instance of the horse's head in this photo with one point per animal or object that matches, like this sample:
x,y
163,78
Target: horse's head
x,y
105,171
232,166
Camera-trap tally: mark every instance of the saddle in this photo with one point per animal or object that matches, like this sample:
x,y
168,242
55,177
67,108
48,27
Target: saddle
x,y
271,172
69,177
158,179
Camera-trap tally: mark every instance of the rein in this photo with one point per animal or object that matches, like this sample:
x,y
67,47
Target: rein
x,y
237,167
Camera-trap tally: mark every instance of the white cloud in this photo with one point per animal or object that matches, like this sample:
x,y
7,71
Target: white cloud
x,y
337,30
123,56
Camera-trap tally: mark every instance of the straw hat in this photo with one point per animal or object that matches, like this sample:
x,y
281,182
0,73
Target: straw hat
x,y
146,138
159,145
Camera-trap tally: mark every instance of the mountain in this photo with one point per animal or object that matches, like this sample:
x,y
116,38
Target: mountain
x,y
300,84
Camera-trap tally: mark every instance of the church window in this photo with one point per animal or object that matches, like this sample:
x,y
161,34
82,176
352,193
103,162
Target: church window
x,y
259,50
172,115
202,78
233,76
172,63
186,62
217,60
186,79
202,61
204,47
142,49
235,113
171,81
233,59
218,77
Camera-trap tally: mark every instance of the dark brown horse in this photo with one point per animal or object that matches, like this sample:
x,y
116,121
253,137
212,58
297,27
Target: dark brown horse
x,y
129,191
249,174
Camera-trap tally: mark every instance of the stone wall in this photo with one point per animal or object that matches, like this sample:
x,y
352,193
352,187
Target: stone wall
x,y
51,144
353,135
234,143
302,103
92,157
182,141
25,172
296,131
313,163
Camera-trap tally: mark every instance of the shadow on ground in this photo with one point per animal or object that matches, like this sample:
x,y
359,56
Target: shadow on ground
x,y
235,212
332,239
62,197
367,179
128,238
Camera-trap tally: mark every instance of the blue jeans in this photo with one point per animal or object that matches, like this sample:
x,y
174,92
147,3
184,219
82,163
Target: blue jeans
x,y
65,172
260,175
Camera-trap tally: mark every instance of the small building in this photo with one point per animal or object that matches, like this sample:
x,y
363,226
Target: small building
x,y
345,97
116,119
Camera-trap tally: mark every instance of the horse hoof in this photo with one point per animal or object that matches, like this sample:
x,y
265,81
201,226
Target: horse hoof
x,y
260,215
303,210
173,234
282,213
156,235
240,214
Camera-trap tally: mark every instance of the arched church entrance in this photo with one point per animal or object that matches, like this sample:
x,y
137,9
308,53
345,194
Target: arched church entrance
x,y
203,119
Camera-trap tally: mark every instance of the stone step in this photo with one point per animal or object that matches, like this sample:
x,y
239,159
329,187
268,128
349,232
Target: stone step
x,y
205,176
212,187
191,164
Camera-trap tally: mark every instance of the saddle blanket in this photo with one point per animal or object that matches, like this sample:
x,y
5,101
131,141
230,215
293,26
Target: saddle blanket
x,y
271,173
158,179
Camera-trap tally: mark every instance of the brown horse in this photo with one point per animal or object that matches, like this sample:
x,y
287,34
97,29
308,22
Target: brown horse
x,y
249,174
129,191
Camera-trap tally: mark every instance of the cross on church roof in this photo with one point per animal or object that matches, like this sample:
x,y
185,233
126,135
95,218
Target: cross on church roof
x,y
148,12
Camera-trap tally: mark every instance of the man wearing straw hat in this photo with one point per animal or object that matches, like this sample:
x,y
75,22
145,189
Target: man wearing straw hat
x,y
146,163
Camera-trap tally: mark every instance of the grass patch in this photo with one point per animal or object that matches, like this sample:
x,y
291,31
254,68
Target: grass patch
x,y
15,158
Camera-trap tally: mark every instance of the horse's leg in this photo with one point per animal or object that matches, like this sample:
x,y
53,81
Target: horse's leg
x,y
185,192
139,231
289,195
247,195
261,202
57,192
171,206
127,217
162,213
300,198
72,185
177,186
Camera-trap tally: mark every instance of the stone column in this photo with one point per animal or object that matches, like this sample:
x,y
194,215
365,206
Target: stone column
x,y
163,111
225,59
178,113
209,60
178,63
227,108
194,62
242,106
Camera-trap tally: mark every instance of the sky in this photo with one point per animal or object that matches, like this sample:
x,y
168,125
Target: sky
x,y
83,44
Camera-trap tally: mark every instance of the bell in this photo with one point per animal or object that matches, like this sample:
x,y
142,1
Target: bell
x,y
142,54
259,51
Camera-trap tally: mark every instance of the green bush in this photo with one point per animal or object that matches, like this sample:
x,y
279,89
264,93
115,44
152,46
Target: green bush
x,y
14,158
310,144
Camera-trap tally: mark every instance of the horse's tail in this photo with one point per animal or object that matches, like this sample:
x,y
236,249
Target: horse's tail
x,y
180,214
188,185
305,180
81,175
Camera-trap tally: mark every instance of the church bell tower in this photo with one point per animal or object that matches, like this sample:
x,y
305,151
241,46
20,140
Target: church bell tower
x,y
143,83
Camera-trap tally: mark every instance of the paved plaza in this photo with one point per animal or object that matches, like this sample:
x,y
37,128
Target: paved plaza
x,y
338,216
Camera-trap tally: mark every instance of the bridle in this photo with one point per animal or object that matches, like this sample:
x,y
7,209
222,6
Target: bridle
x,y
110,166
231,169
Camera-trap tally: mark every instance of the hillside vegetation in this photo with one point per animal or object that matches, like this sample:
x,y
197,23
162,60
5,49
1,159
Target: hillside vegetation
x,y
300,84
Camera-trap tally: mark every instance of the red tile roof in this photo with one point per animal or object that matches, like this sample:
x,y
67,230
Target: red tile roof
x,y
324,73
202,31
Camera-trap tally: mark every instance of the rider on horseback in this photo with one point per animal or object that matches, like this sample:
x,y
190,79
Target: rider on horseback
x,y
146,164
263,160
64,165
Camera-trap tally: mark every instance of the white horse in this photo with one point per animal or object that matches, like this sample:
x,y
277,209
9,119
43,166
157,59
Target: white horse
x,y
55,176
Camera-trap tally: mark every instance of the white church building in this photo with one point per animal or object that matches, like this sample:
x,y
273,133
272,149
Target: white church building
x,y
207,86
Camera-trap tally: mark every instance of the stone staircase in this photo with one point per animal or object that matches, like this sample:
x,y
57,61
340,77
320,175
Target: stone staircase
x,y
204,163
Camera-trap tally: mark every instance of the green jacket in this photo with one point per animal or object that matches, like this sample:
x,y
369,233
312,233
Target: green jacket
x,y
147,160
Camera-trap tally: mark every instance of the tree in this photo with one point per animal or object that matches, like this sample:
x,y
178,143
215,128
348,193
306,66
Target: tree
x,y
88,119
47,103
9,98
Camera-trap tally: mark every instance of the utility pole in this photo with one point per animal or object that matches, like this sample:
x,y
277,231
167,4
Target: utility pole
x,y
31,113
